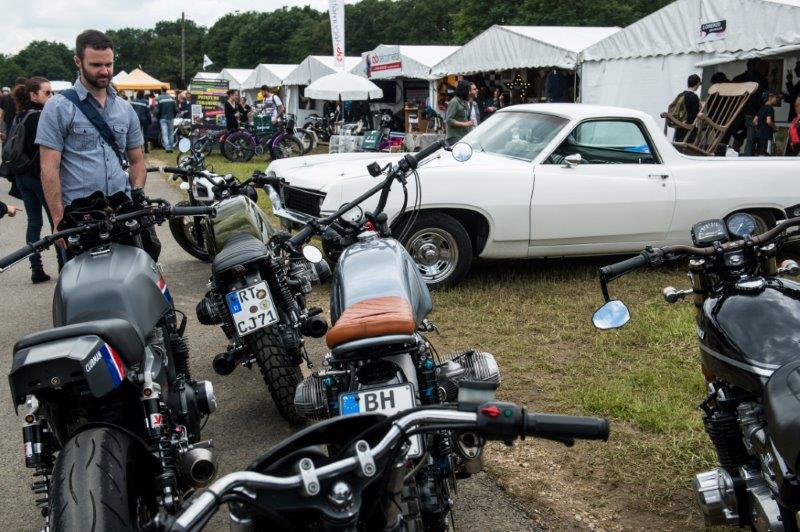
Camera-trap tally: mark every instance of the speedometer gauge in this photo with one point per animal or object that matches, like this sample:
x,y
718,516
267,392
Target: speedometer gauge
x,y
707,232
741,225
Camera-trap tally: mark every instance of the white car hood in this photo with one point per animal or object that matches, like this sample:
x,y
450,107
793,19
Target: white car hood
x,y
320,172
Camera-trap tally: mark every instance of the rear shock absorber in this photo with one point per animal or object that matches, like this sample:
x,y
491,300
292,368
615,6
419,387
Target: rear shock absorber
x,y
179,346
427,381
280,286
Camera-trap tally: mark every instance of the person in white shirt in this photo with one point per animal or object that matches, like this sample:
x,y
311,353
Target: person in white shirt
x,y
272,104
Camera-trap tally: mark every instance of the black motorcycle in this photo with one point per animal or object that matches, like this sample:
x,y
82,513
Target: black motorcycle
x,y
112,415
347,473
323,127
256,290
748,325
380,361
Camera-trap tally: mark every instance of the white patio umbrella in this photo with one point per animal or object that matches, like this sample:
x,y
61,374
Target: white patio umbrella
x,y
343,86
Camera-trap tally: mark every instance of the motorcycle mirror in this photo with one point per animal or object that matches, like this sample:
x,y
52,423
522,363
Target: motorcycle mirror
x,y
613,315
461,152
184,145
312,254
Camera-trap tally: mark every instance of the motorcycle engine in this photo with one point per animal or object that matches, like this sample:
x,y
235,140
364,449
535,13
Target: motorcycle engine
x,y
470,365
310,399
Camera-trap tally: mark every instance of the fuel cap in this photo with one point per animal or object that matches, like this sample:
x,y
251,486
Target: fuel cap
x,y
752,285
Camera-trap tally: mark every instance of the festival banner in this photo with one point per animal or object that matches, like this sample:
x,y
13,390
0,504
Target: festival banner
x,y
336,11
713,24
383,62
210,96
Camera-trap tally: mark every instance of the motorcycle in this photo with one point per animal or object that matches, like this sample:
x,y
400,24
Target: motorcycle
x,y
347,473
112,416
322,127
379,359
256,293
748,317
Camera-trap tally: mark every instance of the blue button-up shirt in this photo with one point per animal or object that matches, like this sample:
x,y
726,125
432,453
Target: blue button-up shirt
x,y
88,163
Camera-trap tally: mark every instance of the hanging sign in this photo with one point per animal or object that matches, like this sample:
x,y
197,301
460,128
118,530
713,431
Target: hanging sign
x,y
336,11
383,62
713,25
208,97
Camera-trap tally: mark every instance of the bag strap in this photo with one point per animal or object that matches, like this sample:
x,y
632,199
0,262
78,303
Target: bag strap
x,y
99,123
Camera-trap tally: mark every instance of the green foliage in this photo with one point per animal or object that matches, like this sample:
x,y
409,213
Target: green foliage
x,y
288,35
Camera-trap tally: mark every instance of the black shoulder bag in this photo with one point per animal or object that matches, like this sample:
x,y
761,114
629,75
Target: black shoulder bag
x,y
99,124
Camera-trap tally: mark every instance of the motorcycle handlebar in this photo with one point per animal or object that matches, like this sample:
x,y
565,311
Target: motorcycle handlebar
x,y
557,427
16,256
302,236
175,170
153,169
612,271
424,153
192,211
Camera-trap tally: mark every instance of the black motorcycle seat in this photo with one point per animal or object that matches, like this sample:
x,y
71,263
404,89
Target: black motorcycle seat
x,y
118,333
782,409
239,249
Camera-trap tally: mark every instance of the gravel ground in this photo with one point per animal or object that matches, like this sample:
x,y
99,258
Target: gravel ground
x,y
246,423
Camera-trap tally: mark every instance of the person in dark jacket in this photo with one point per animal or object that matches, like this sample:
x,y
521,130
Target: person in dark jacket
x,y
142,108
30,99
166,110
232,110
692,103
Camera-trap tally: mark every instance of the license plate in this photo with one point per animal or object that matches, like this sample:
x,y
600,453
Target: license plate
x,y
251,308
386,401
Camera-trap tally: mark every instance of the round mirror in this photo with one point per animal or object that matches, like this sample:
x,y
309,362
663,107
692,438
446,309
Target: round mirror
x,y
184,145
312,254
612,315
461,152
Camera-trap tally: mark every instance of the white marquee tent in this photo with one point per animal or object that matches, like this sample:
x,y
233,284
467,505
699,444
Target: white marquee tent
x,y
271,75
511,47
235,76
311,69
207,76
646,65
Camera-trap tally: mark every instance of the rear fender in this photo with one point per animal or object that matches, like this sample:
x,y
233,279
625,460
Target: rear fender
x,y
53,365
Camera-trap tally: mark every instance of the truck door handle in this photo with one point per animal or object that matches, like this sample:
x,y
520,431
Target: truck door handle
x,y
657,176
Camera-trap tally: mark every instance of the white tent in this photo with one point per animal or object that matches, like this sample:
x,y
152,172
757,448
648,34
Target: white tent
x,y
512,47
59,85
646,65
235,76
311,69
207,76
271,75
119,76
343,86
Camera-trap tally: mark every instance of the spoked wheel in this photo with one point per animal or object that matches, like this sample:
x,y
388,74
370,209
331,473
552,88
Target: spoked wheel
x,y
441,248
239,147
189,235
287,147
99,484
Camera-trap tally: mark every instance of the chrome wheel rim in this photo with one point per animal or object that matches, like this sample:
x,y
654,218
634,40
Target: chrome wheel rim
x,y
435,252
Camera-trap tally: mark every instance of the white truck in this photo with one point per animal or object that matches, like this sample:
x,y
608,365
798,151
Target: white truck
x,y
548,180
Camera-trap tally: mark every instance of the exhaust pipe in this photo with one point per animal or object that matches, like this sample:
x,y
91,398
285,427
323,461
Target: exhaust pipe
x,y
199,466
225,363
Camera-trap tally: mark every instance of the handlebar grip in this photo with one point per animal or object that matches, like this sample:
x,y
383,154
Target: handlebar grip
x,y
192,211
153,169
18,255
565,427
612,271
427,152
302,236
175,170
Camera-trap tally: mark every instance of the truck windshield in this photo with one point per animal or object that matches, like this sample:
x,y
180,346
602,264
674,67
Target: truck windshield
x,y
516,134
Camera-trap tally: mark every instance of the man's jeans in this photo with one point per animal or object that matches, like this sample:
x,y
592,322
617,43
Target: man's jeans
x,y
749,143
166,132
33,199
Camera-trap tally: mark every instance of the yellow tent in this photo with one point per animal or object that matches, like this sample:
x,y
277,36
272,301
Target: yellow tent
x,y
139,79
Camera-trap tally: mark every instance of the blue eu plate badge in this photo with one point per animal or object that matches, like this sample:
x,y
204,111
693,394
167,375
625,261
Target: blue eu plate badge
x,y
233,303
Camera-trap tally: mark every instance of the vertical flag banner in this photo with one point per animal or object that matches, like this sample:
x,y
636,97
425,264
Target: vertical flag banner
x,y
336,11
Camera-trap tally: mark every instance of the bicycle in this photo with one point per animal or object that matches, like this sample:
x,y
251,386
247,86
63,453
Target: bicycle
x,y
240,146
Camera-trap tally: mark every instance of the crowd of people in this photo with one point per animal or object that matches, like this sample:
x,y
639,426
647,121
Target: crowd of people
x,y
238,110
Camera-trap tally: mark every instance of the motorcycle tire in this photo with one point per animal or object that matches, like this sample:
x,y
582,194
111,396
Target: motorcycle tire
x,y
238,147
288,147
181,227
97,484
280,373
307,138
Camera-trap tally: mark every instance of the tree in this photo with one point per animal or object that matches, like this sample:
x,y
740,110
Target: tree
x,y
130,47
51,60
163,57
219,36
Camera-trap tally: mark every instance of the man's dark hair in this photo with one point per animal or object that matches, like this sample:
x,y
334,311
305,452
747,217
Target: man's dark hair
x,y
719,77
92,39
462,89
264,88
693,80
139,95
230,92
20,81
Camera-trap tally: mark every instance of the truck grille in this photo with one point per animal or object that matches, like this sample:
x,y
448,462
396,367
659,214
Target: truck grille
x,y
302,200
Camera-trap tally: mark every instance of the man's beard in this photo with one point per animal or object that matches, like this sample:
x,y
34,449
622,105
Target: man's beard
x,y
97,82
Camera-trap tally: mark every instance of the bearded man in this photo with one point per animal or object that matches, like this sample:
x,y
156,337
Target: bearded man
x,y
89,139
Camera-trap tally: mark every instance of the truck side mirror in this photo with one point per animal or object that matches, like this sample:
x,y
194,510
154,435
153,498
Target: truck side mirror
x,y
572,160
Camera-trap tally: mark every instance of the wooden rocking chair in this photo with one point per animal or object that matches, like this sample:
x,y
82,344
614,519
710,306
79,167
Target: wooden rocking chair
x,y
725,103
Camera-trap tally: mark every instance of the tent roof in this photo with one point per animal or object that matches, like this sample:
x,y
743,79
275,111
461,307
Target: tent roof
x,y
509,47
270,74
207,75
416,60
314,67
60,85
675,29
139,79
235,76
119,76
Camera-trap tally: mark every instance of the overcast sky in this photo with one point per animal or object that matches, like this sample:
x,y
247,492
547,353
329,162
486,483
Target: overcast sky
x,y
23,21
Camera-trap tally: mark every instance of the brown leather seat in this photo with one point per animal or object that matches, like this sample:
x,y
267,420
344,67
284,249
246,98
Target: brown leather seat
x,y
379,316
